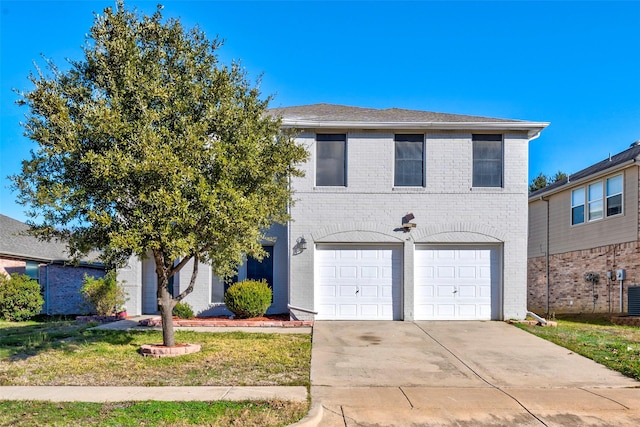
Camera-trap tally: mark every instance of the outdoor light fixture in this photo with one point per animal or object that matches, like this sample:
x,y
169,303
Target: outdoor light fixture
x,y
301,243
407,225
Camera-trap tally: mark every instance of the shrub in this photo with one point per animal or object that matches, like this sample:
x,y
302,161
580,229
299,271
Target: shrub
x,y
183,310
250,298
104,294
20,297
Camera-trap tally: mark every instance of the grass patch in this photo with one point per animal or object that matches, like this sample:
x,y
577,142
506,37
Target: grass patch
x,y
151,413
67,353
595,337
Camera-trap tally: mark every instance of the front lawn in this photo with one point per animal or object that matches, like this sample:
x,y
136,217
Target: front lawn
x,y
66,353
151,413
595,337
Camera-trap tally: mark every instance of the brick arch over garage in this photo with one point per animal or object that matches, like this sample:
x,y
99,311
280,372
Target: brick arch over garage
x,y
455,233
360,232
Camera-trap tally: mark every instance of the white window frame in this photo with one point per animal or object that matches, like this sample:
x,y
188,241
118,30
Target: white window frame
x,y
594,201
577,205
610,196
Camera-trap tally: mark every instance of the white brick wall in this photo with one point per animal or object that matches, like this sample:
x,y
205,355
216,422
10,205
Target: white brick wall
x,y
448,209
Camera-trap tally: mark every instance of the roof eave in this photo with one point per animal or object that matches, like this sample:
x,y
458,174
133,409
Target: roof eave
x,y
532,128
584,179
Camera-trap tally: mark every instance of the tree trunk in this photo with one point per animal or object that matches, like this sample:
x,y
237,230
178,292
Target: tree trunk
x,y
166,313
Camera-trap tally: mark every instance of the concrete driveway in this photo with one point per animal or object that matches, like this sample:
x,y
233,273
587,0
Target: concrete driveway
x,y
460,373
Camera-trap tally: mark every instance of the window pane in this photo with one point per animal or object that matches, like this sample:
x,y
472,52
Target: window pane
x,y
409,170
614,205
577,215
330,164
614,195
32,270
577,206
595,201
614,185
595,191
487,160
577,197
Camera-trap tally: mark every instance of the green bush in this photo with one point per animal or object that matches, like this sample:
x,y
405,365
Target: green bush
x,y
104,294
250,298
20,297
183,310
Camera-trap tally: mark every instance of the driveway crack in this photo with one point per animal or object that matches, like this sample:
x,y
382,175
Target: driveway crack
x,y
478,375
406,397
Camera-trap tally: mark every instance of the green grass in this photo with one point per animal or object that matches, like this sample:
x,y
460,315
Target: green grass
x,y
63,352
150,413
66,353
595,337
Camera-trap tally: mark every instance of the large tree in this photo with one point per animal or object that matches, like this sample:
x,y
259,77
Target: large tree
x,y
542,180
149,146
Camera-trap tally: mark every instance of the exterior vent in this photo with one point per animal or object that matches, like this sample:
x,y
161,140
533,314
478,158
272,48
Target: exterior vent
x,y
634,301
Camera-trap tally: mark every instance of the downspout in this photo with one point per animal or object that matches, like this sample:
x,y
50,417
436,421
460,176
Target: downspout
x,y
546,256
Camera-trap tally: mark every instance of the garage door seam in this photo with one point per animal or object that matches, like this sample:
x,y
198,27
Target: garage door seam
x,y
478,375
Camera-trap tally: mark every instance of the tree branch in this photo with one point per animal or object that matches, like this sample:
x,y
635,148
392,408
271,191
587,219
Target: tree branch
x,y
194,274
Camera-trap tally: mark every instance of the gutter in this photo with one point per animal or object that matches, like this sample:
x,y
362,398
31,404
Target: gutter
x,y
533,128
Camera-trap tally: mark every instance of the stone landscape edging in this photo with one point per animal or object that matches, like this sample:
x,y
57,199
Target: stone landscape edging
x,y
157,321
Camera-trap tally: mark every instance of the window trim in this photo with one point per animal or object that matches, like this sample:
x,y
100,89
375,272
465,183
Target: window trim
x,y
583,204
488,137
422,158
595,201
604,199
607,196
344,155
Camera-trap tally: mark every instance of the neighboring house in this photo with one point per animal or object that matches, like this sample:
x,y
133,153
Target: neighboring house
x,y
48,263
401,215
583,226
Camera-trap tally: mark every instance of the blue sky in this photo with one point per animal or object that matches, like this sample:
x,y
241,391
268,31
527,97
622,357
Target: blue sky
x,y
574,64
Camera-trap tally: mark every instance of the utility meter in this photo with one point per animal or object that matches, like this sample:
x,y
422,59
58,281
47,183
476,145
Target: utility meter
x,y
621,274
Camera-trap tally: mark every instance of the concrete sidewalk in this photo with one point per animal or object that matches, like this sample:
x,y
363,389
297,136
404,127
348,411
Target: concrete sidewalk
x,y
460,374
121,394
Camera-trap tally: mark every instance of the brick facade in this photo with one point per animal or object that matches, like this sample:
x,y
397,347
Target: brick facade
x,y
569,292
9,266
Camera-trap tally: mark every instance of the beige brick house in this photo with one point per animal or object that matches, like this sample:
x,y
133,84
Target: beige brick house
x,y
584,228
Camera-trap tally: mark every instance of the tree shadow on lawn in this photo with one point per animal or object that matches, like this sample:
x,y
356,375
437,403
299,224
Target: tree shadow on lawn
x,y
20,342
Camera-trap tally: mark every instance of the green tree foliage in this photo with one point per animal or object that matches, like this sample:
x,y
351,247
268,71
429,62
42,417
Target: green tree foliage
x,y
149,145
103,294
249,298
20,297
543,180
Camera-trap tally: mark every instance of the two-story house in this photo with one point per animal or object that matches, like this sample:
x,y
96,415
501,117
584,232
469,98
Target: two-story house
x,y
584,238
401,214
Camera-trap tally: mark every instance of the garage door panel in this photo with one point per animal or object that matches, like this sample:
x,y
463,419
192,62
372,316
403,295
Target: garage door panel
x,y
465,282
367,283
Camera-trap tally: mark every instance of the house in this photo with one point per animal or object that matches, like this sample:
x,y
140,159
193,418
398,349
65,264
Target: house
x,y
584,238
401,215
48,263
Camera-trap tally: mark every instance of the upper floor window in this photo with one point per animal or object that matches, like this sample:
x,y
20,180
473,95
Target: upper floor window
x,y
595,201
331,159
577,206
487,160
409,160
603,199
614,195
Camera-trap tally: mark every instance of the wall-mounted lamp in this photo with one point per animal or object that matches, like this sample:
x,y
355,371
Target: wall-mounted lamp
x,y
407,225
301,243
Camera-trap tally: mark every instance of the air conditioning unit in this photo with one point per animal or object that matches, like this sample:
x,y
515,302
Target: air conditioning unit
x,y
634,301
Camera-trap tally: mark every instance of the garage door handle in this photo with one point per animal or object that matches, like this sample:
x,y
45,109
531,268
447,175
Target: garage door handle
x,y
357,290
455,291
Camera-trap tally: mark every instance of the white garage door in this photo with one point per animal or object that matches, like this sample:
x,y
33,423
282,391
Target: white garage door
x,y
457,283
358,282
